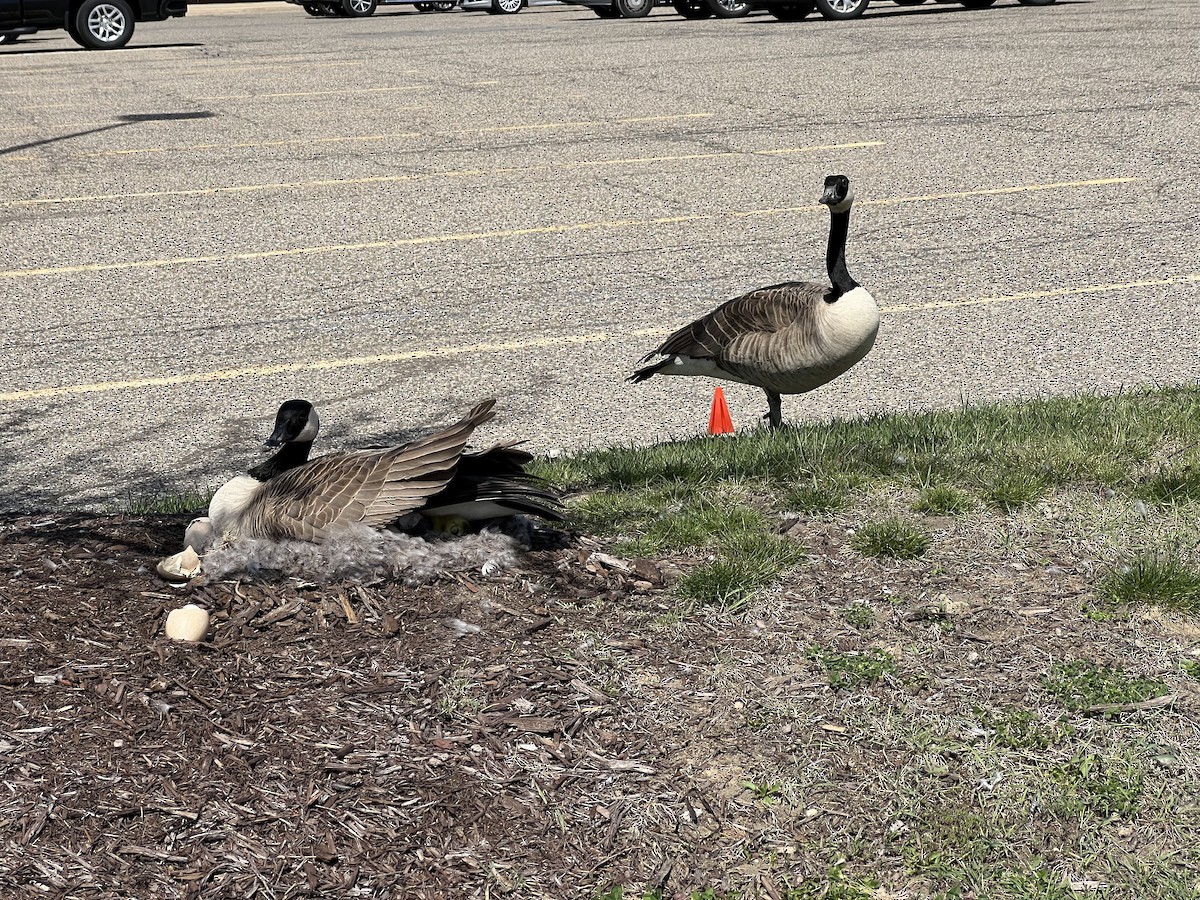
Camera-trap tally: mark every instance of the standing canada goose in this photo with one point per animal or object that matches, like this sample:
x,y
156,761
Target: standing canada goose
x,y
787,338
291,497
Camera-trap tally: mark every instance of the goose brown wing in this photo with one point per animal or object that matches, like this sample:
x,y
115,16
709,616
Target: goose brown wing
x,y
373,487
763,311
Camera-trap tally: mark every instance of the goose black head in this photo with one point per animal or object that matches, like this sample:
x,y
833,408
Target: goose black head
x,y
295,422
838,194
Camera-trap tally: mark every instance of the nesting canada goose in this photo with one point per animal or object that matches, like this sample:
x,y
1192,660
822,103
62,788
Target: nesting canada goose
x,y
787,338
292,497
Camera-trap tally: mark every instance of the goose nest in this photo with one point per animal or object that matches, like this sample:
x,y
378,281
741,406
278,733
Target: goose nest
x,y
362,554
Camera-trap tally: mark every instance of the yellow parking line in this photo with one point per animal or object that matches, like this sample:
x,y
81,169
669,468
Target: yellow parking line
x,y
419,176
1041,295
466,236
594,337
372,90
540,126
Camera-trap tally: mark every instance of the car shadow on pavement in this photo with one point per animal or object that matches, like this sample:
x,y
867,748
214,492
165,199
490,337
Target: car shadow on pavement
x,y
131,119
925,10
71,48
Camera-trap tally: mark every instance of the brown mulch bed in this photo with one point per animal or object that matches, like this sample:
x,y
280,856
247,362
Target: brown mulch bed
x,y
542,733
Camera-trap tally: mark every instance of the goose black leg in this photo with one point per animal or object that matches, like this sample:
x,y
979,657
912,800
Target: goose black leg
x,y
774,414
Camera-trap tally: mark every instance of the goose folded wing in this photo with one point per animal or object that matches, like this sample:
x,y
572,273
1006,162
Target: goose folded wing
x,y
764,311
372,487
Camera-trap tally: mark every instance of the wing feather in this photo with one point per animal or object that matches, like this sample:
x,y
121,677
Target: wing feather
x,y
372,487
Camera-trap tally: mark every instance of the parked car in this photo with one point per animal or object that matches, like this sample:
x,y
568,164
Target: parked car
x,y
794,10
689,9
94,24
358,8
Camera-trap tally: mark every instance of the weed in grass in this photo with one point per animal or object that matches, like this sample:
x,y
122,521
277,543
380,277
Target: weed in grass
x,y
942,500
859,615
1013,488
892,537
617,892
1191,669
1037,884
764,793
1158,580
1082,684
169,504
847,670
835,886
1101,789
746,562
1173,486
1018,729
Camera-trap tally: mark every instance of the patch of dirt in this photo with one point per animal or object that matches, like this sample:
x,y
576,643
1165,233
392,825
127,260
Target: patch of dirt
x,y
546,732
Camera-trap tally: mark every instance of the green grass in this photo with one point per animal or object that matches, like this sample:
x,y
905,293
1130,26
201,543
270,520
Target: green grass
x,y
1172,486
1153,580
893,537
942,500
1106,787
746,562
169,504
849,670
1191,668
819,496
1011,490
1016,450
1082,684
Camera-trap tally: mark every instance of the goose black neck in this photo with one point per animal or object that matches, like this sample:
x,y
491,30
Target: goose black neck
x,y
835,255
290,455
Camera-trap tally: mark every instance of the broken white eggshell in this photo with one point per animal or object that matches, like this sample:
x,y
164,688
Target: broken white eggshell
x,y
183,566
188,623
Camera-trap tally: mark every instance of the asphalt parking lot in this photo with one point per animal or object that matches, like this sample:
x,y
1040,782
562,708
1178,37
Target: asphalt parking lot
x,y
396,216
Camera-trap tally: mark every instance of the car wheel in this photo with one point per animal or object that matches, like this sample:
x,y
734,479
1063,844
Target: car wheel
x,y
357,9
102,24
728,9
633,9
331,9
976,4
505,7
423,7
842,9
692,9
444,5
792,12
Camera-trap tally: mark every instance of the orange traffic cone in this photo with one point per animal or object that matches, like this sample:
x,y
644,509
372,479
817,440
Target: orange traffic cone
x,y
719,421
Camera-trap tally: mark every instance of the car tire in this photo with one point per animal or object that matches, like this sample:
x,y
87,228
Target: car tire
x,y
728,9
423,7
444,5
102,24
505,7
358,9
976,4
842,9
792,12
633,9
7,37
692,9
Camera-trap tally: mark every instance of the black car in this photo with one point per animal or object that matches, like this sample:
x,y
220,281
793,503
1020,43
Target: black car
x,y
95,24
